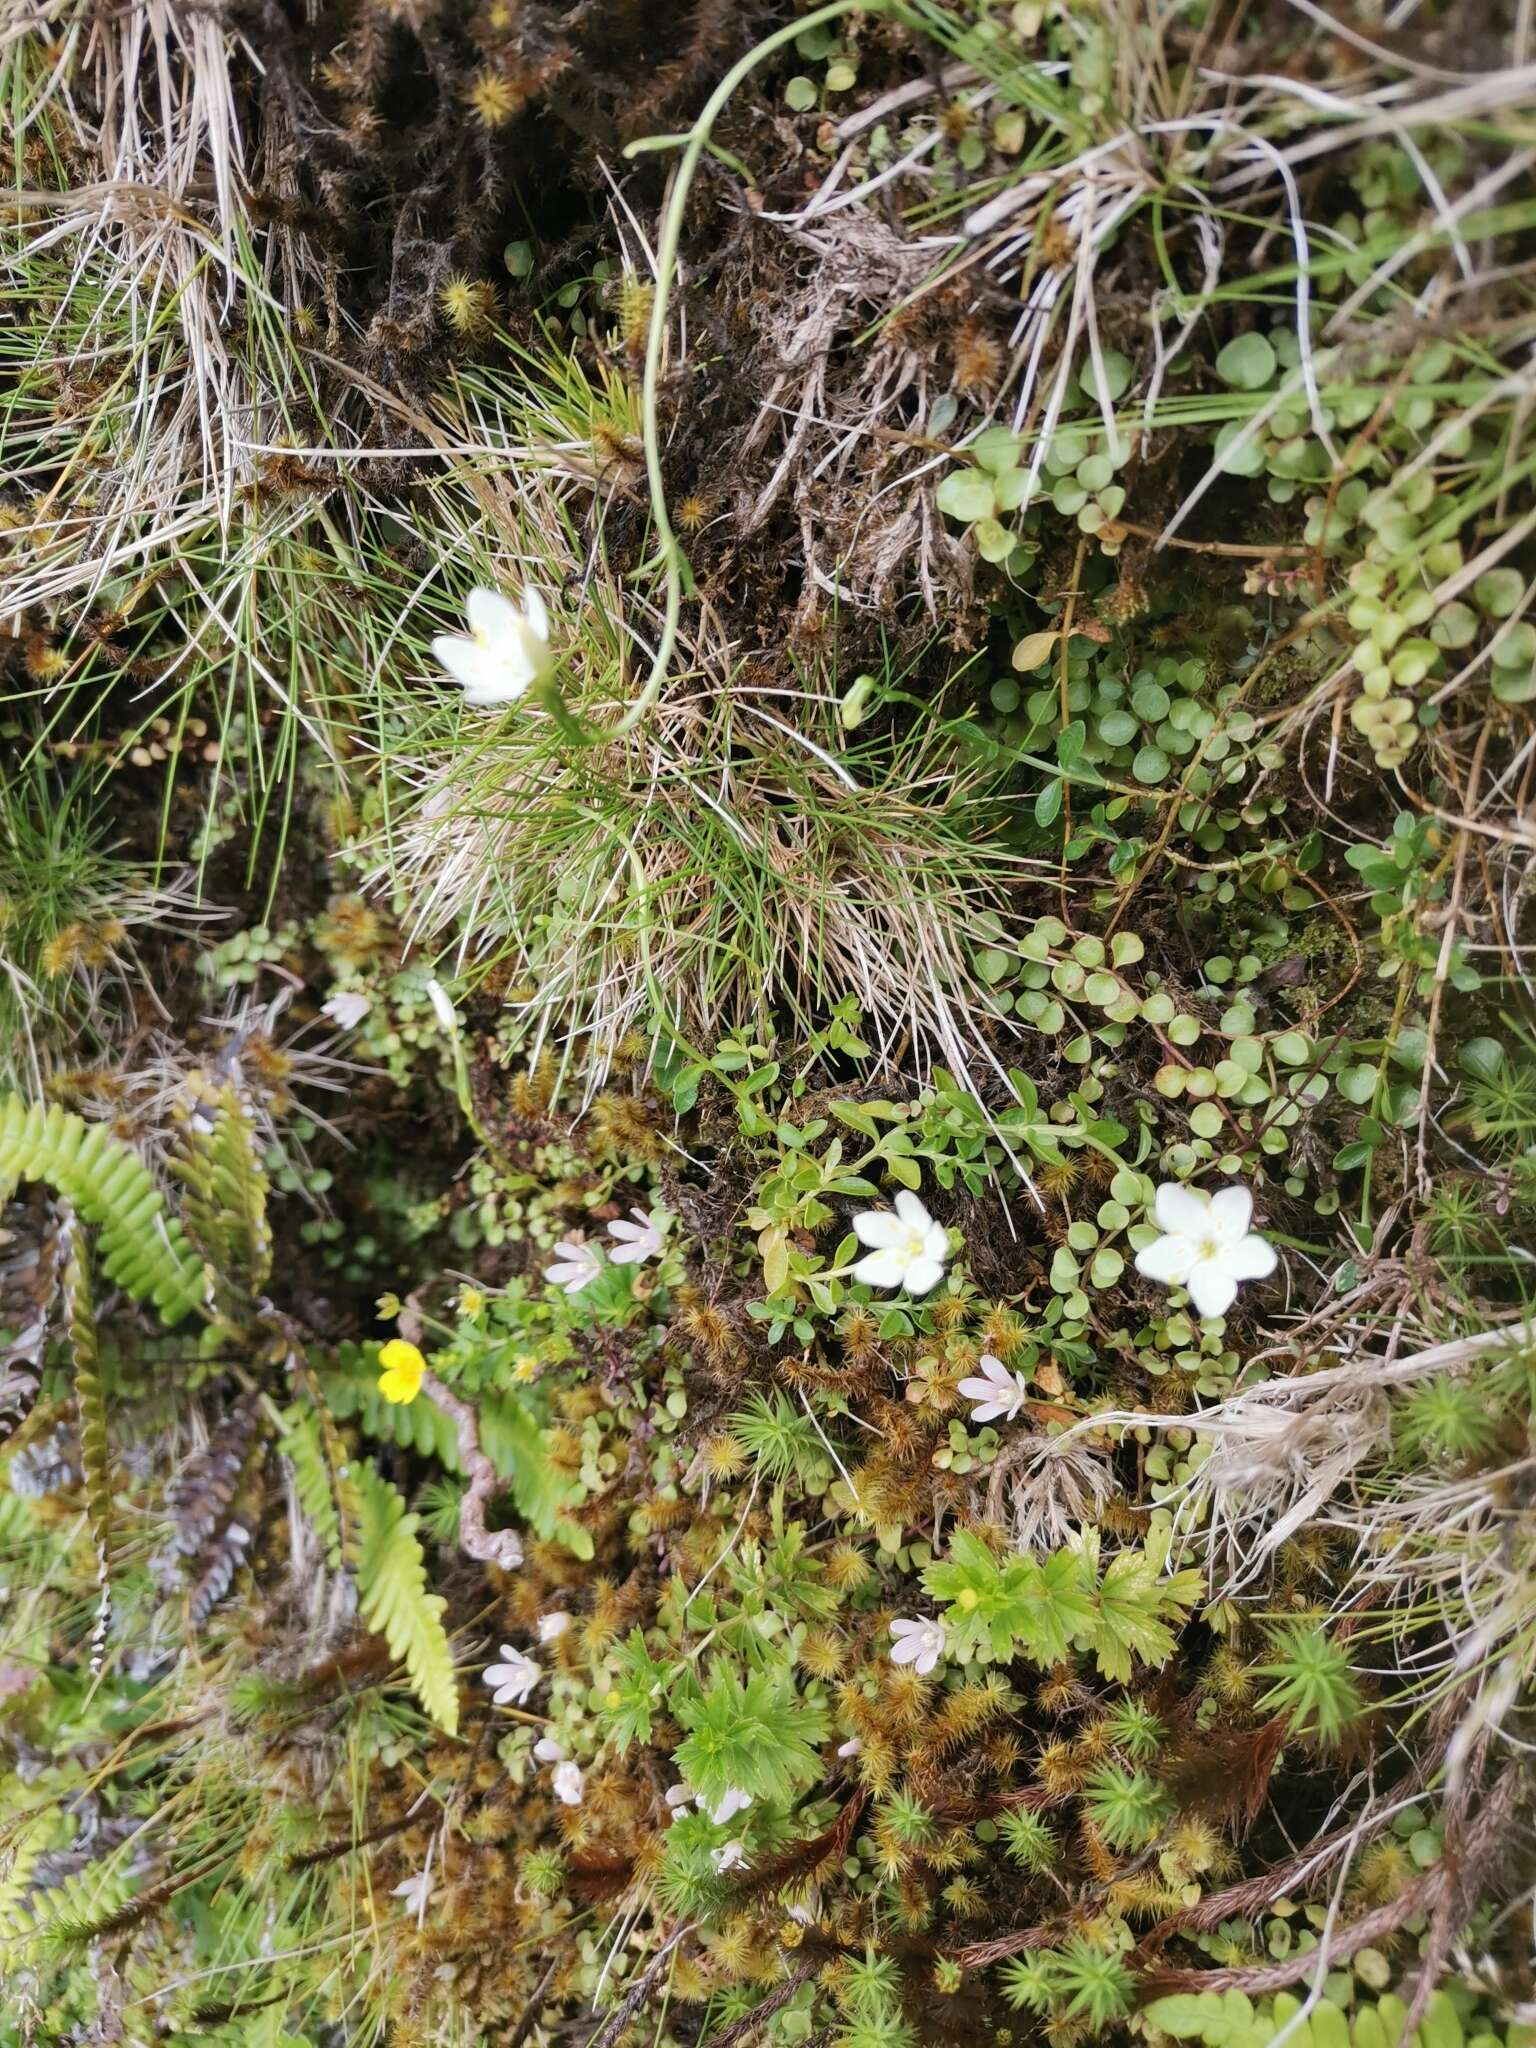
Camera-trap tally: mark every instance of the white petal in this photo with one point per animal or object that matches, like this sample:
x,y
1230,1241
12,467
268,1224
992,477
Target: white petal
x,y
923,1275
516,662
907,1628
1212,1287
907,1651
988,1411
883,1268
978,1389
1185,1212
1231,1212
1251,1258
479,673
493,696
628,1254
536,612
347,1007
731,1802
926,1661
936,1242
494,617
879,1227
1167,1259
995,1370
910,1209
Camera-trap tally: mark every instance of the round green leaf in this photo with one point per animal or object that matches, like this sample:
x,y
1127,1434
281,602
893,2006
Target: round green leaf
x,y
1247,363
1107,1266
965,494
1356,1084
1116,376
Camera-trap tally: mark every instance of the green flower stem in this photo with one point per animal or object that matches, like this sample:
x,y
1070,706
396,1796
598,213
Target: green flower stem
x,y
669,551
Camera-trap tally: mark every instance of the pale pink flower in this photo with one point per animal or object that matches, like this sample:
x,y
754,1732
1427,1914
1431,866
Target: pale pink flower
x,y
637,1241
576,1264
514,1679
996,1391
918,1643
347,1007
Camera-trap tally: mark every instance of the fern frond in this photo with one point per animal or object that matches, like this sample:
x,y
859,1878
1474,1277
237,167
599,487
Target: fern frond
x,y
509,1436
393,1598
303,1445
95,1450
419,1426
24,1841
224,1206
66,1911
142,1249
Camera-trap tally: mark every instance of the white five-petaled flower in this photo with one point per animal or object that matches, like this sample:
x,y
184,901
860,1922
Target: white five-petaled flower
x,y
729,1856
731,1802
568,1784
1206,1245
996,1391
635,1241
347,1007
576,1264
918,1643
909,1248
442,1008
514,1678
504,653
552,1626
416,1892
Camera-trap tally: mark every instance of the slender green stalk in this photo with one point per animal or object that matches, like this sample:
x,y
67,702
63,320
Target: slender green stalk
x,y
669,551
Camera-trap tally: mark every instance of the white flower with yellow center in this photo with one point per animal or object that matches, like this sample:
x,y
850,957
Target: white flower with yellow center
x,y
505,652
908,1247
1206,1245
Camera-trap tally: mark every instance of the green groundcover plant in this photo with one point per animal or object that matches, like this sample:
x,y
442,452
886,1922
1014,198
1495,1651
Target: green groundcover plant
x,y
768,1119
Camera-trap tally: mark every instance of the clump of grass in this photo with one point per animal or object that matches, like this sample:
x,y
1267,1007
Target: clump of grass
x,y
740,854
718,869
71,909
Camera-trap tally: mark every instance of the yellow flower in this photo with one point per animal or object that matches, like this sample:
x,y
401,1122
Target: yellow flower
x,y
402,1366
471,1301
526,1365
